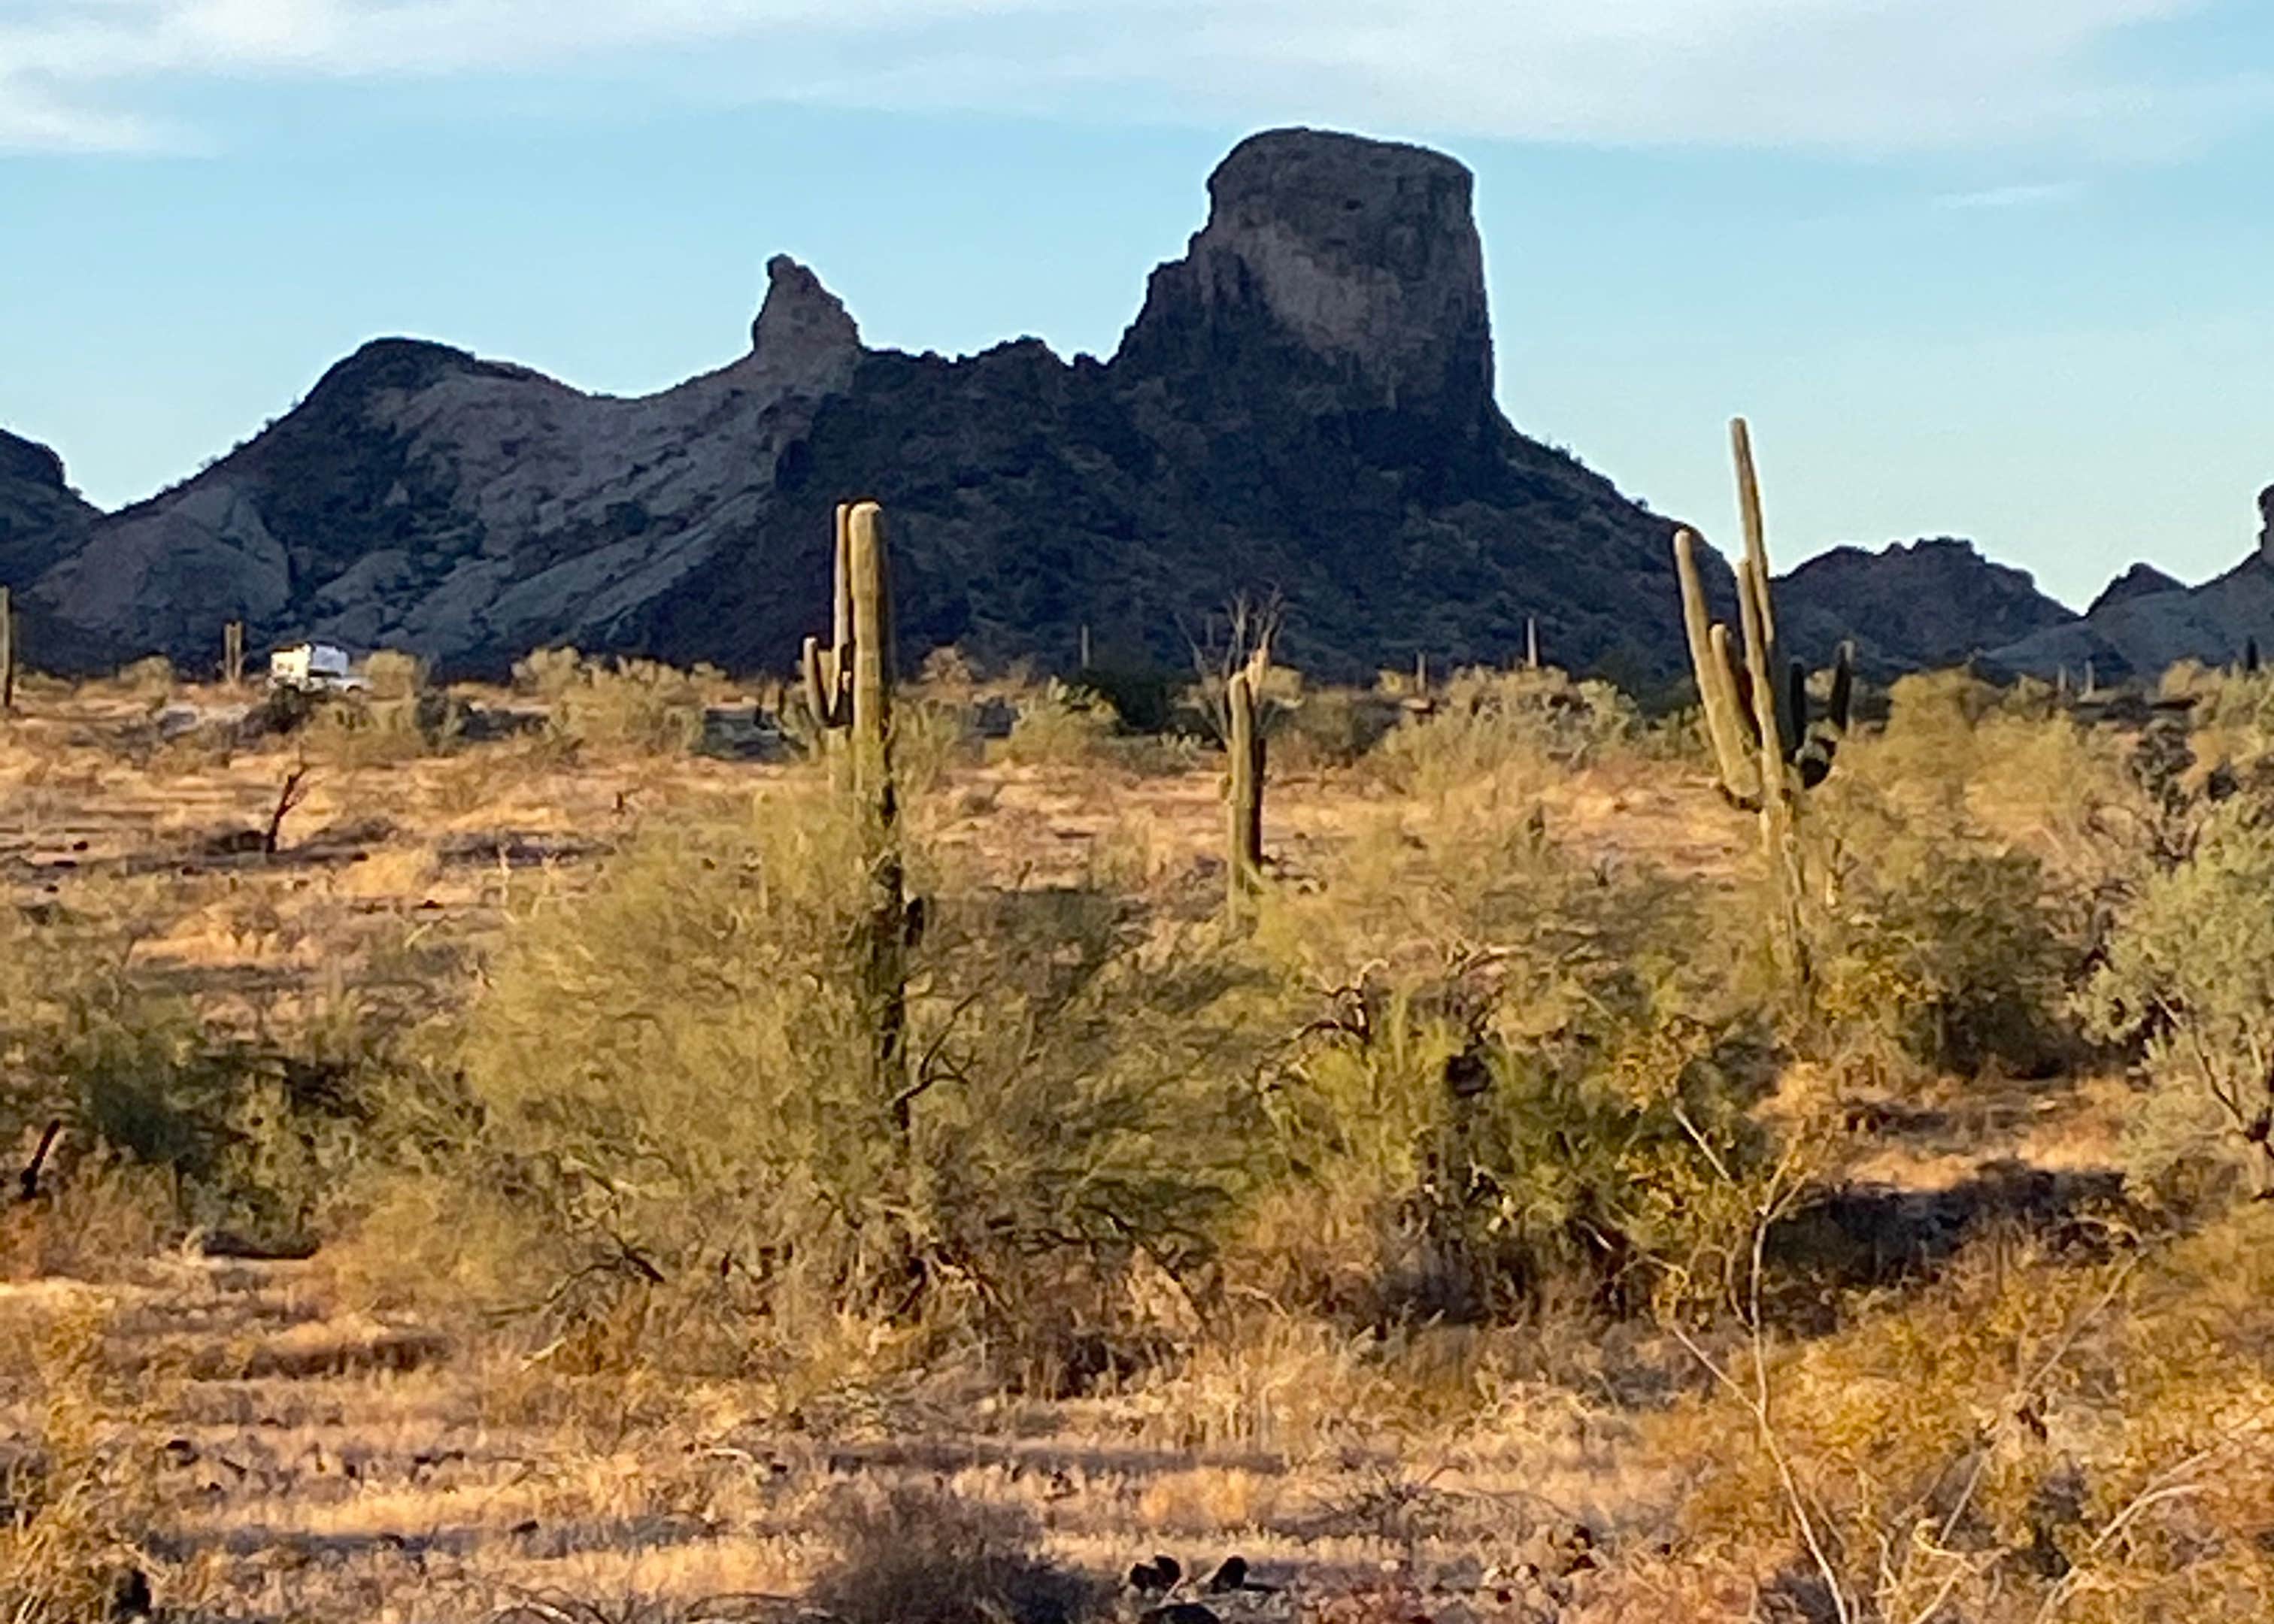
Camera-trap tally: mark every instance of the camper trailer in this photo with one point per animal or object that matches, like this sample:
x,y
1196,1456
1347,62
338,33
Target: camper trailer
x,y
315,667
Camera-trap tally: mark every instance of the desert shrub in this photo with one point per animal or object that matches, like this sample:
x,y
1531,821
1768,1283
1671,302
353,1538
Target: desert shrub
x,y
1486,721
626,704
2029,1438
2188,978
1058,725
2022,775
1143,698
1325,727
247,1141
1939,945
934,732
279,712
391,673
914,1555
1527,1078
152,678
349,730
672,1075
74,1502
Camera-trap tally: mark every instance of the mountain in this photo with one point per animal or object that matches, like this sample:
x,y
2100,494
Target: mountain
x,y
2139,631
2140,581
1910,606
40,515
1304,404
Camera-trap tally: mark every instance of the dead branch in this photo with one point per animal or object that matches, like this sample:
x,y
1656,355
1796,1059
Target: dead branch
x,y
294,792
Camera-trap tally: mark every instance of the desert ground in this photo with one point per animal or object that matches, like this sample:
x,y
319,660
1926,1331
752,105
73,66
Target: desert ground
x,y
1944,1317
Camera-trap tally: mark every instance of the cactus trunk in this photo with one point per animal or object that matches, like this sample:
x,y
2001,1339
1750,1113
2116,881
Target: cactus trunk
x,y
849,687
1244,797
1779,733
864,597
232,654
7,650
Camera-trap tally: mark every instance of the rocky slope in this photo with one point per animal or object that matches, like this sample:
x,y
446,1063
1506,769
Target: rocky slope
x,y
1304,404
40,515
1909,606
2141,581
2145,622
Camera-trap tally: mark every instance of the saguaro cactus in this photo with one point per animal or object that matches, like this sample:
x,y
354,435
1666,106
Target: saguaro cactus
x,y
1744,711
232,654
1766,748
849,688
1244,794
7,650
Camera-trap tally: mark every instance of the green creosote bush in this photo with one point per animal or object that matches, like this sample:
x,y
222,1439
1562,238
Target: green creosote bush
x,y
1541,1090
1485,722
2189,982
152,678
1938,947
1058,725
250,1140
668,1077
1318,729
634,705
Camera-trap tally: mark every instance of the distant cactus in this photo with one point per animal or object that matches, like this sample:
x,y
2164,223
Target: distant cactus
x,y
7,650
232,654
2251,657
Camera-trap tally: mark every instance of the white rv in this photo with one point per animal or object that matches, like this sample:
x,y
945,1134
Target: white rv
x,y
314,666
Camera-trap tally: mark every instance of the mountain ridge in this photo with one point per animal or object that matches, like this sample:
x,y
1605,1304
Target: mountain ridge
x,y
1302,403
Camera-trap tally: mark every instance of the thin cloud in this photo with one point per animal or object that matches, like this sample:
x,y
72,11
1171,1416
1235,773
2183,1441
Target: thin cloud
x,y
1831,75
2038,195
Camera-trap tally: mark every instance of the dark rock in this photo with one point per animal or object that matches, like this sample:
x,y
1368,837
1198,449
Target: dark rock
x,y
1909,606
42,518
2140,581
130,1596
1156,1577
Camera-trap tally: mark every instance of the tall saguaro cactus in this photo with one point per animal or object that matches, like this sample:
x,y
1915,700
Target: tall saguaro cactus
x,y
232,654
1243,792
1765,749
849,688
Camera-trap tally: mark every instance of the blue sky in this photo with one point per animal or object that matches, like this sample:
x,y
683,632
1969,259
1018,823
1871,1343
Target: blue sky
x,y
2000,268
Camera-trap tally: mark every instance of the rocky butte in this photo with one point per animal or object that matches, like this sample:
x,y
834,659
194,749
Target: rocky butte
x,y
1304,404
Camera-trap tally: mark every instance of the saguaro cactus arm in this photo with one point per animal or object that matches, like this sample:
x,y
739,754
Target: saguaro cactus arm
x,y
1717,687
828,669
